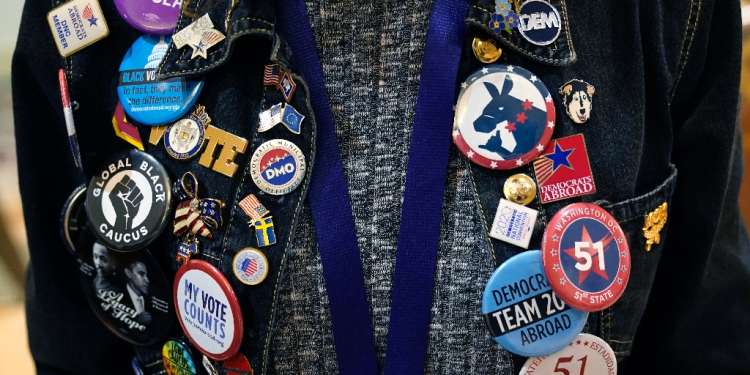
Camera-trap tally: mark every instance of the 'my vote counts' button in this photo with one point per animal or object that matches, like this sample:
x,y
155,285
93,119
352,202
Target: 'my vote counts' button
x,y
522,312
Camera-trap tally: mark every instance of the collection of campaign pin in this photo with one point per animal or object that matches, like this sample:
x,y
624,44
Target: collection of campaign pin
x,y
537,302
109,223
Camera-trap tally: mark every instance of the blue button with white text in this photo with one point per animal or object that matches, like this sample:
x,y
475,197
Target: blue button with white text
x,y
522,312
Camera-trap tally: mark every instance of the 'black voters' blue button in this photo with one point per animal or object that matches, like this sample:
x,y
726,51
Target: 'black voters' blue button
x,y
145,99
522,312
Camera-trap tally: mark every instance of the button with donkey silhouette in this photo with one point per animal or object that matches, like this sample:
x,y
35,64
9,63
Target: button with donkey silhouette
x,y
504,117
128,201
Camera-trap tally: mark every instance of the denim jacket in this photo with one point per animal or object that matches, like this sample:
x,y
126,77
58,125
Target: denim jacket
x,y
666,78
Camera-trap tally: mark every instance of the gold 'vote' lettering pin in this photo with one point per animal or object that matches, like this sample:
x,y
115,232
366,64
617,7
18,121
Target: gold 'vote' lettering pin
x,y
654,223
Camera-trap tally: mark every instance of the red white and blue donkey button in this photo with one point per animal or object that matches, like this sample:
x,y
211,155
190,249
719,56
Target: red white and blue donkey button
x,y
504,117
586,256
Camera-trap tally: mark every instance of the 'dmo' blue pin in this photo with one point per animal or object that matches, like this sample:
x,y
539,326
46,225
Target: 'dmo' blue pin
x,y
522,312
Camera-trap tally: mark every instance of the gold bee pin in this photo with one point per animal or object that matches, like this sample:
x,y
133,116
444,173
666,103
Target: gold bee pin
x,y
654,223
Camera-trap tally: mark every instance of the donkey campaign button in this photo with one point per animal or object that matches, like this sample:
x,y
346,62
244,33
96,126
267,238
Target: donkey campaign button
x,y
522,312
145,99
128,201
586,256
504,117
152,17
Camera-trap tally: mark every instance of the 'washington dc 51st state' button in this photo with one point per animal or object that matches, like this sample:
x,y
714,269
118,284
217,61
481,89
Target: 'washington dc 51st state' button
x,y
522,312
504,117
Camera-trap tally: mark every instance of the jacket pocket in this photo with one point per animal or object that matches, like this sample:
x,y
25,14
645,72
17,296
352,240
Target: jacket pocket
x,y
618,323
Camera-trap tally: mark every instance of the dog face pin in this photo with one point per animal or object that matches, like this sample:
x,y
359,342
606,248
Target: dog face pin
x,y
577,97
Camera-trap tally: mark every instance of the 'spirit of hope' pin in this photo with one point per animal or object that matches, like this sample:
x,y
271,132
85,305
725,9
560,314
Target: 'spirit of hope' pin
x,y
504,117
522,312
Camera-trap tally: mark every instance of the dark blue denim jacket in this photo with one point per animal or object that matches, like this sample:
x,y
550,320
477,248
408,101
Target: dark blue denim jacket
x,y
666,78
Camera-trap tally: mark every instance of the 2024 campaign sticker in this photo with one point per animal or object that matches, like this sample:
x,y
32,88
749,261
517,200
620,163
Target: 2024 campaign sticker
x,y
522,312
586,256
128,292
586,355
504,117
563,171
278,166
208,310
150,16
145,99
128,200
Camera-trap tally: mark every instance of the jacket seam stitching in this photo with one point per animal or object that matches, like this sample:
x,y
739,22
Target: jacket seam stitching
x,y
685,53
518,48
481,211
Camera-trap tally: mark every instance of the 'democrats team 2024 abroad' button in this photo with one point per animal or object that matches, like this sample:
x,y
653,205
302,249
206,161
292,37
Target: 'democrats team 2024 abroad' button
x,y
522,312
128,200
586,256
504,117
145,99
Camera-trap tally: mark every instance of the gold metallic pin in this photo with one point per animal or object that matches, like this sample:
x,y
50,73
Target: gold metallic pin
x,y
520,189
654,223
486,49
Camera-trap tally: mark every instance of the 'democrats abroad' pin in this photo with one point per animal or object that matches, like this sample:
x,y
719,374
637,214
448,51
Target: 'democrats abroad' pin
x,y
522,312
539,22
586,355
586,256
184,138
208,310
157,17
563,171
128,292
504,117
177,359
76,25
146,100
73,218
128,200
278,166
250,266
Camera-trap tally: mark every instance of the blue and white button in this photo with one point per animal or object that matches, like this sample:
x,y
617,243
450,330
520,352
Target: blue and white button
x,y
278,166
539,22
522,312
146,100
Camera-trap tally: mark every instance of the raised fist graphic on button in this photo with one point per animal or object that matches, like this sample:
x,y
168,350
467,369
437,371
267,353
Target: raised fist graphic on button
x,y
126,207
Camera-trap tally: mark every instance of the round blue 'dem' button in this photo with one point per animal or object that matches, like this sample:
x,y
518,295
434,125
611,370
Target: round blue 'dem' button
x,y
145,99
522,312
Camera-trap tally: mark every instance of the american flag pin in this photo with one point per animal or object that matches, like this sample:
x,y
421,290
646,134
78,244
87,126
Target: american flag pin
x,y
250,266
253,208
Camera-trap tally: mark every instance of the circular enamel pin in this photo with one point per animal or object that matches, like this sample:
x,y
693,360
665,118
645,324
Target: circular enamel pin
x,y
250,266
586,355
128,200
151,17
128,292
145,99
73,218
539,22
504,117
278,166
522,312
586,256
184,138
177,359
208,310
